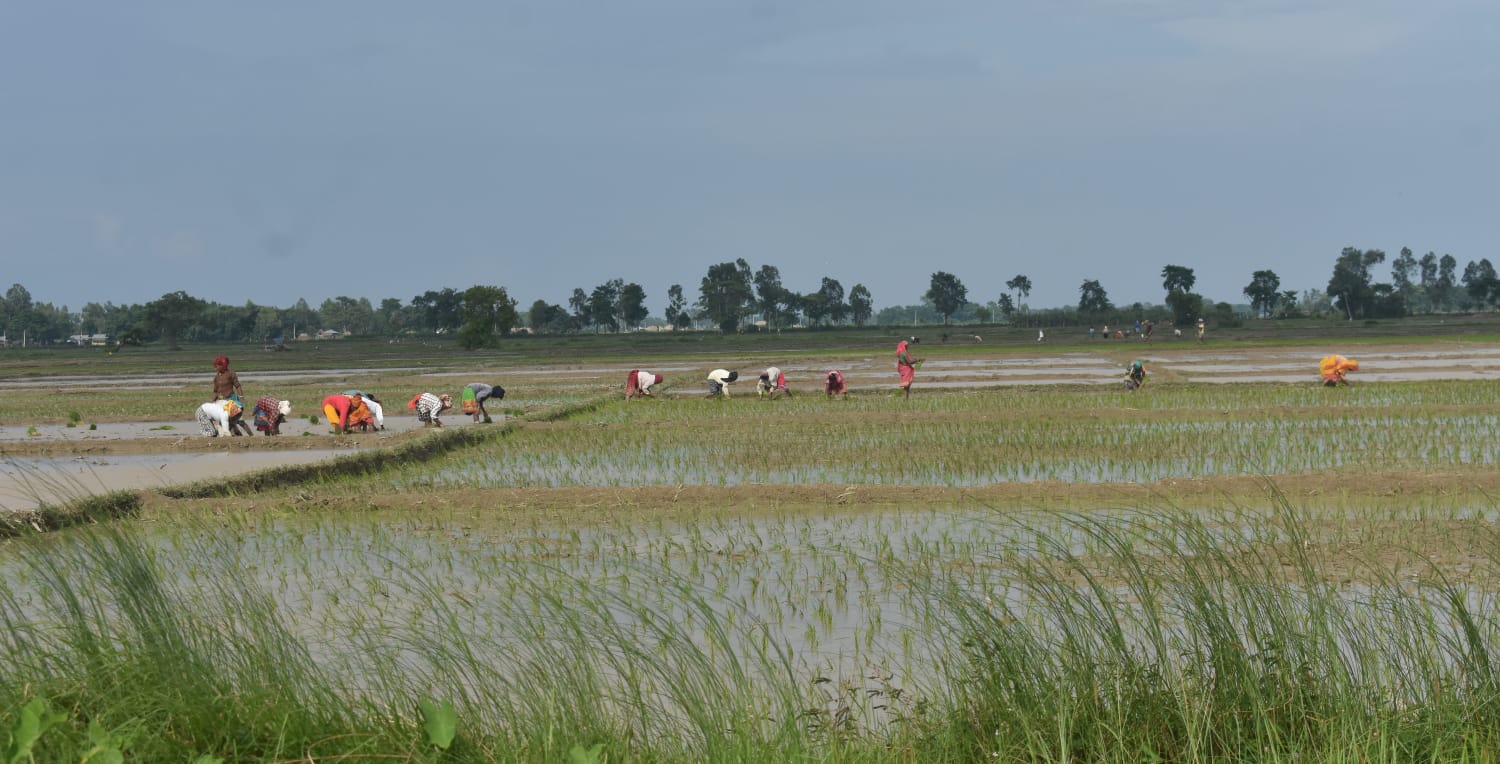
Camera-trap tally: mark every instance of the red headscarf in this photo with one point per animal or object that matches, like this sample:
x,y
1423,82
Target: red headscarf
x,y
221,363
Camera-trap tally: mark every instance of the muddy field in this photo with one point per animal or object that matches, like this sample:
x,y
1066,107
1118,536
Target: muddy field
x,y
48,461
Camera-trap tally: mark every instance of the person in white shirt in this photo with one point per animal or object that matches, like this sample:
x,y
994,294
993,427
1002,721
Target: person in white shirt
x,y
718,382
772,381
638,383
215,418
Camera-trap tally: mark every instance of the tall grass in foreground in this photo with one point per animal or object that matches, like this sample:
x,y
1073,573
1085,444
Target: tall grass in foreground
x,y
1130,637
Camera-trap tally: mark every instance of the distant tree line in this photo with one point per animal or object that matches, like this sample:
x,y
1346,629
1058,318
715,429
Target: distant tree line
x,y
733,297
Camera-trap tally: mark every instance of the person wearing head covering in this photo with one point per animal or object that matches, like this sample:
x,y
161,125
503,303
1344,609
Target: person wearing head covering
x,y
834,384
360,417
377,410
215,418
430,408
270,413
905,366
772,381
1201,329
1335,370
337,407
226,382
1135,375
638,383
475,394
718,382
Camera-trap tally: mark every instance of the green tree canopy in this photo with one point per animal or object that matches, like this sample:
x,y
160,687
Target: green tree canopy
x,y
946,294
725,295
861,306
170,314
1092,299
488,314
1263,291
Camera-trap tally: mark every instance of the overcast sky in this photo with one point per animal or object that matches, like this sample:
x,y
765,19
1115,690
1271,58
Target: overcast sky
x,y
268,151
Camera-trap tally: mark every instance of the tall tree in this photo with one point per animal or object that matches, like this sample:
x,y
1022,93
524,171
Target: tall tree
x,y
829,301
725,295
1446,282
488,314
1186,306
1177,278
603,305
677,312
1021,285
771,297
1263,291
946,294
1403,268
1481,282
1429,267
632,304
861,306
1350,285
1092,299
172,313
1006,305
579,304
19,315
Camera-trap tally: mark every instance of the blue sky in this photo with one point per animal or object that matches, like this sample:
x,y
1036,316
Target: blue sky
x,y
381,149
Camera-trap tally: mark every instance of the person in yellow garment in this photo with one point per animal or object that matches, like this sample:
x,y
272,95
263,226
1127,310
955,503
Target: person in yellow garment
x,y
1335,370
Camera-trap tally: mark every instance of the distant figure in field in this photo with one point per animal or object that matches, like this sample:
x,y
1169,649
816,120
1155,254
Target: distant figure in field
x,y
270,413
1335,370
771,382
834,385
638,383
1147,329
1135,376
718,382
906,368
215,418
475,394
377,409
337,407
1040,335
1201,329
1177,333
430,408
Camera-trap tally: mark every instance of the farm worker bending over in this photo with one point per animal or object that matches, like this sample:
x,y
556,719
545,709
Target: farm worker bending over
x,y
718,382
430,408
226,382
905,366
1335,369
772,381
337,407
373,404
834,384
638,383
359,414
215,418
475,394
1135,375
270,412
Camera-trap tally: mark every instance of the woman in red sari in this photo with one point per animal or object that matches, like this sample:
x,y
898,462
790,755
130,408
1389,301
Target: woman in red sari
x,y
905,366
